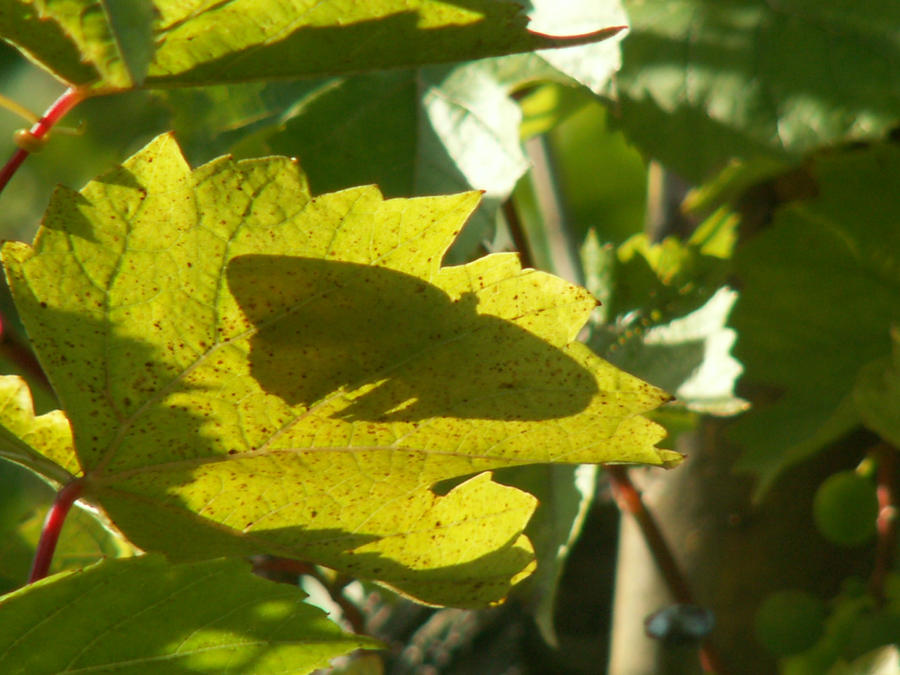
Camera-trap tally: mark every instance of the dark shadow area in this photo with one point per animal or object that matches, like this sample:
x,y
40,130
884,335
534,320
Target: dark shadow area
x,y
325,325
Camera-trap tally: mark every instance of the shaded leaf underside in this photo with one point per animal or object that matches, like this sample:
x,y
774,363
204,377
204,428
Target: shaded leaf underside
x,y
248,369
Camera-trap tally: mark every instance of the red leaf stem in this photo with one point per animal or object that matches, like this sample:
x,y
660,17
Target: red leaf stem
x,y
69,99
56,516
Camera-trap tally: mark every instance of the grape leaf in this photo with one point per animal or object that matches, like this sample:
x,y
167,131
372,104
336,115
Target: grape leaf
x,y
819,296
702,82
86,42
248,369
208,617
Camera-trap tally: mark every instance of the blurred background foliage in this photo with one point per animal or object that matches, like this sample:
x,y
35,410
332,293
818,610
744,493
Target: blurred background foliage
x,y
731,198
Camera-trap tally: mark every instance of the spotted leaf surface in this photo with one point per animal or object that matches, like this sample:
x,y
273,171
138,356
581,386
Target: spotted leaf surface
x,y
250,369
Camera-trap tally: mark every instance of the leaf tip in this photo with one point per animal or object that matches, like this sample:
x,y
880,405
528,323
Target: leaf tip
x,y
669,459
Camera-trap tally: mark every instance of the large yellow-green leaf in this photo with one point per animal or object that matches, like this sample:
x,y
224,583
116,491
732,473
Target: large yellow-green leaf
x,y
208,617
249,369
119,44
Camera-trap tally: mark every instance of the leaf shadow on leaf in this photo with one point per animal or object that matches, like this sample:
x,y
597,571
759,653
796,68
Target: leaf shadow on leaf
x,y
172,484
71,203
400,348
145,456
360,46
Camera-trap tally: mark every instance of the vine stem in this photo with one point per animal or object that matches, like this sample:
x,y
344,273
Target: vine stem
x,y
630,501
56,516
69,99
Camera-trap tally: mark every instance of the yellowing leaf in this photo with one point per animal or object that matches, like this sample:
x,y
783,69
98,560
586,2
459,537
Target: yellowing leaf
x,y
250,369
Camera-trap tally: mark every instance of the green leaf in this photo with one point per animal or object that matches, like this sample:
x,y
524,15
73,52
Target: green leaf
x,y
86,42
248,369
820,291
210,617
44,443
703,82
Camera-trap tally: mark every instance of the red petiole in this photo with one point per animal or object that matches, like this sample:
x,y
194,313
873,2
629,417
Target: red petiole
x,y
52,527
70,98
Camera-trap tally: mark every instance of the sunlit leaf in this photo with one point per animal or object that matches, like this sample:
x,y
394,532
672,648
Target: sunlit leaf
x,y
665,312
209,617
249,369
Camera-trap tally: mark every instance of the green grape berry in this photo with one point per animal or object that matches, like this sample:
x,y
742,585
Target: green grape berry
x,y
845,508
789,622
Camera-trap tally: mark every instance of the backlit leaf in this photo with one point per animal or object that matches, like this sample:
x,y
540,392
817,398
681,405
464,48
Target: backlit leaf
x,y
202,42
248,369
